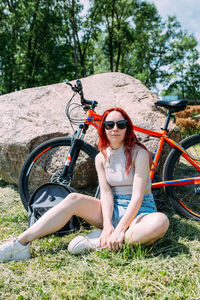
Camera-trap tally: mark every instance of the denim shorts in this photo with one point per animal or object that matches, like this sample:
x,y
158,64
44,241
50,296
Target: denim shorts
x,y
121,203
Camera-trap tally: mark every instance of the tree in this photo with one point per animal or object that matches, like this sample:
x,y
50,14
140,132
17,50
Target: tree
x,y
47,52
36,46
187,86
185,71
84,29
136,41
117,33
47,41
10,29
157,47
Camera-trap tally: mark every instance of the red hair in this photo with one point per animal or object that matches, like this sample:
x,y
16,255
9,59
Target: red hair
x,y
130,138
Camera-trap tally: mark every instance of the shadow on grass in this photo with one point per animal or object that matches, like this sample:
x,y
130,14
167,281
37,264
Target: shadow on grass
x,y
170,245
180,226
183,228
6,184
3,183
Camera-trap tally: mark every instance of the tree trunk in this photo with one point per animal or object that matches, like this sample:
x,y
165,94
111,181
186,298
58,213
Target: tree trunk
x,y
118,58
74,31
31,48
110,45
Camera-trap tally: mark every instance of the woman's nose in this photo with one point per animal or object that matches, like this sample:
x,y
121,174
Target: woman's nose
x,y
115,127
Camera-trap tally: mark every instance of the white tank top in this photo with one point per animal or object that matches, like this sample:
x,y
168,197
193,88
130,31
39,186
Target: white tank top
x,y
115,169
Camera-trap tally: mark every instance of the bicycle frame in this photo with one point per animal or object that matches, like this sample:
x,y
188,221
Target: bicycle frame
x,y
94,120
164,138
182,160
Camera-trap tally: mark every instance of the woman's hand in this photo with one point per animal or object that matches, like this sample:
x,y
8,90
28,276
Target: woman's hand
x,y
105,235
116,240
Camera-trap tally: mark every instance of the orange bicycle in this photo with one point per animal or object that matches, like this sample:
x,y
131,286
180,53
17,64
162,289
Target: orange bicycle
x,y
70,161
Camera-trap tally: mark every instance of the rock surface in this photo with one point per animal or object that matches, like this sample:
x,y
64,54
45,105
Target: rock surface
x,y
31,116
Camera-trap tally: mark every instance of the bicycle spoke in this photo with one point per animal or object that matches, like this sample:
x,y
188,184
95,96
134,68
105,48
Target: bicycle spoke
x,y
185,170
46,163
184,198
48,168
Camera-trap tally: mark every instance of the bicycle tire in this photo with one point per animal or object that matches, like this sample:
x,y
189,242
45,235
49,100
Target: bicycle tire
x,y
183,198
44,164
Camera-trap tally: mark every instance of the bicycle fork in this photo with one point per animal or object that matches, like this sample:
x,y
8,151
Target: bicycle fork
x,y
67,171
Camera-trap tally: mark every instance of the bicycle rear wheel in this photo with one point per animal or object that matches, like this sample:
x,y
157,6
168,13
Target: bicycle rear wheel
x,y
45,164
185,199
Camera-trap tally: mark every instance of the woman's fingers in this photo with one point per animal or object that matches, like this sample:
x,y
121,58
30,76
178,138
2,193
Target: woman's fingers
x,y
111,240
115,241
103,242
114,245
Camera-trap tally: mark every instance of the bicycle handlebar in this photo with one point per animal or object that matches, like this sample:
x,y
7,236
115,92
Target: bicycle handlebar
x,y
78,88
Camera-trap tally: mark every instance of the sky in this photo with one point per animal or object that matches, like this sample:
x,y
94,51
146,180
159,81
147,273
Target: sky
x,y
186,11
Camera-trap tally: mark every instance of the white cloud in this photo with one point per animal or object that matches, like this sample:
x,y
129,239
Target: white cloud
x,y
186,11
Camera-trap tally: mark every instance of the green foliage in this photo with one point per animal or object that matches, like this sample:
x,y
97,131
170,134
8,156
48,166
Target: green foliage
x,y
35,48
117,33
44,42
136,41
186,83
185,75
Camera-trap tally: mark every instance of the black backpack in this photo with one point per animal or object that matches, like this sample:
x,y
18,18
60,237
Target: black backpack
x,y
46,197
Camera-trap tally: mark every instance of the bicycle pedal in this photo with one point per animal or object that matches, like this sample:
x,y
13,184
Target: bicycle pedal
x,y
197,189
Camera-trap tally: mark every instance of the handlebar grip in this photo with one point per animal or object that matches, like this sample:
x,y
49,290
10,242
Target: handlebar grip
x,y
80,90
79,85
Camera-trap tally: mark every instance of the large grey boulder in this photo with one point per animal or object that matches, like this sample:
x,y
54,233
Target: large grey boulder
x,y
30,116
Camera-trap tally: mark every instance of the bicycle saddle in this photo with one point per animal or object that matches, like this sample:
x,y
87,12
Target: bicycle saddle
x,y
174,106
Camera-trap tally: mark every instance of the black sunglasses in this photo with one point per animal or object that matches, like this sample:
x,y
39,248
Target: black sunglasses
x,y
121,124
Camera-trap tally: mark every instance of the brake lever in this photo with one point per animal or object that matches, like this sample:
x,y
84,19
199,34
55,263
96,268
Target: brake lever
x,y
74,88
68,83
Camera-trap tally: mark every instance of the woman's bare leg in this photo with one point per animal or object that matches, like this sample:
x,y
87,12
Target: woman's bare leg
x,y
86,207
147,229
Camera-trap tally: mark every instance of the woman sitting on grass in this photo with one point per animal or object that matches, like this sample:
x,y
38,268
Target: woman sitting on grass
x,y
126,212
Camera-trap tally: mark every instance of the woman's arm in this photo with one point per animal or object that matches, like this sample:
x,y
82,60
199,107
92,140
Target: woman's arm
x,y
139,187
106,200
141,176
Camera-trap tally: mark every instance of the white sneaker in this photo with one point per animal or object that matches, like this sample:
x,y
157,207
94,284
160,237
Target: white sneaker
x,y
13,250
85,243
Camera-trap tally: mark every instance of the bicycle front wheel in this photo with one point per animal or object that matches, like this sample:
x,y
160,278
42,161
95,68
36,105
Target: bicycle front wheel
x,y
184,198
45,164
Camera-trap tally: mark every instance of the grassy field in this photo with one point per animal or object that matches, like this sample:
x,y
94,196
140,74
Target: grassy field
x,y
168,270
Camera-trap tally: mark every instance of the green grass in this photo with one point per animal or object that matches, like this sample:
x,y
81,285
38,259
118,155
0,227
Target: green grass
x,y
188,132
168,270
